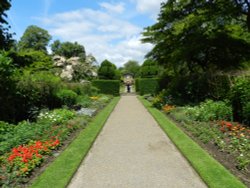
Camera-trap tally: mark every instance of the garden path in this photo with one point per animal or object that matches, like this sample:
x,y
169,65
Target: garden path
x,y
133,151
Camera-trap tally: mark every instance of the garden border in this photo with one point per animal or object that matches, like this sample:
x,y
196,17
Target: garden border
x,y
211,171
60,172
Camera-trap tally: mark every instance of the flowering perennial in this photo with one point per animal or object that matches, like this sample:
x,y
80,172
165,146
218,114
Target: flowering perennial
x,y
25,158
167,108
234,129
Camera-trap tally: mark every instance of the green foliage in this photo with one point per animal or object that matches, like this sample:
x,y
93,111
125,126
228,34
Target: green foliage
x,y
111,87
84,88
107,70
57,172
196,37
210,111
31,59
35,91
131,67
7,88
207,167
240,97
67,97
83,101
5,36
57,116
149,69
186,89
49,124
34,38
68,49
148,85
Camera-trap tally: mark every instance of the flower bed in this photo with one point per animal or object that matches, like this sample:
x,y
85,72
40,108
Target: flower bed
x,y
209,124
27,145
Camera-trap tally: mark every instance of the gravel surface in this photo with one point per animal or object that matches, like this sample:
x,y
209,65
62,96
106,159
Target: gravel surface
x,y
133,152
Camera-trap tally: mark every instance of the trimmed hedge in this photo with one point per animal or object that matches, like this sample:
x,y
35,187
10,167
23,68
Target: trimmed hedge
x,y
111,87
148,85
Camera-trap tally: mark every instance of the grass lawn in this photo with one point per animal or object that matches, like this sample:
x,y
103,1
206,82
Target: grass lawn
x,y
212,172
60,172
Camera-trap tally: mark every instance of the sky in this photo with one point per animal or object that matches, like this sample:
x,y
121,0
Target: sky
x,y
108,29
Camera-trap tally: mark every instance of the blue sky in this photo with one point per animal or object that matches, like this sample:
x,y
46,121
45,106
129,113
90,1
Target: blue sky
x,y
108,29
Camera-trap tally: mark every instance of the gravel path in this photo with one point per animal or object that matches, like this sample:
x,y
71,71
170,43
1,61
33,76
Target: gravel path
x,y
133,152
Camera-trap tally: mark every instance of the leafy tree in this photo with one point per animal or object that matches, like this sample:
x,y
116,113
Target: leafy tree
x,y
197,37
107,70
34,60
34,38
7,87
149,69
5,36
68,49
132,67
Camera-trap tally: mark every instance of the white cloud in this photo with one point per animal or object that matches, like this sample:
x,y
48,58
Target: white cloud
x,y
113,8
104,35
151,7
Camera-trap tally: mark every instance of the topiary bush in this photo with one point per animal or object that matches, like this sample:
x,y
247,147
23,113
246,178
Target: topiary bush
x,y
67,97
111,87
107,70
148,86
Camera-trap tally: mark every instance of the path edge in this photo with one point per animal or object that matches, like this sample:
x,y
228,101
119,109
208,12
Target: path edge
x,y
58,174
213,173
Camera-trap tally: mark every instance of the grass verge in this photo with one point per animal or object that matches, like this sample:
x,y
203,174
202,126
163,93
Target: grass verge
x,y
60,172
212,172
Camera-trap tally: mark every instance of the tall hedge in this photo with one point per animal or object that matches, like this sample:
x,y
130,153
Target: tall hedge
x,y
148,85
111,87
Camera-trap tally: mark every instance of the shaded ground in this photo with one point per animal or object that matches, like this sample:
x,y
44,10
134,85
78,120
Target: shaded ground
x,y
132,151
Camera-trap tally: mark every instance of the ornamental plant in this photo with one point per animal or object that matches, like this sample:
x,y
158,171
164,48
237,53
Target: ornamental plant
x,y
56,116
23,159
168,108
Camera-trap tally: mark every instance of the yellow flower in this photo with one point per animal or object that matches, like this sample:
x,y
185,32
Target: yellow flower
x,y
94,97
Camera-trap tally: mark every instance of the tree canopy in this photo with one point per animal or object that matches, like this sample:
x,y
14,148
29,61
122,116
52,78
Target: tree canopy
x,y
131,67
107,70
68,49
149,69
205,35
34,38
5,36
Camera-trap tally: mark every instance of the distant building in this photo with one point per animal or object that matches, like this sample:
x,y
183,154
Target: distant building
x,y
128,79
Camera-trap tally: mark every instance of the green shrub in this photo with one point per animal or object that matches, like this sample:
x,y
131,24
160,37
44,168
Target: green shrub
x,y
111,87
107,70
36,91
83,100
67,97
149,69
240,97
137,88
148,85
7,88
57,116
210,110
192,89
81,88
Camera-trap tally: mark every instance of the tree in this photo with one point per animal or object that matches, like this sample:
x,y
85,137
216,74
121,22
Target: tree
x,y
199,37
107,70
5,36
132,67
68,49
149,69
34,38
